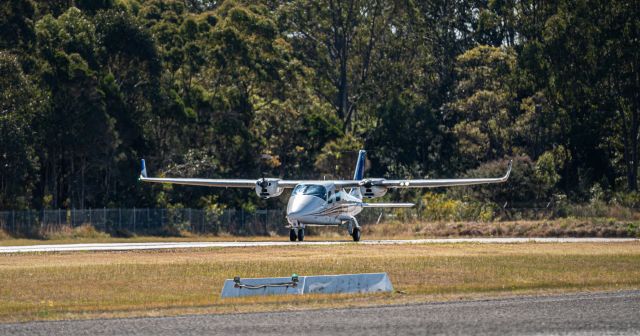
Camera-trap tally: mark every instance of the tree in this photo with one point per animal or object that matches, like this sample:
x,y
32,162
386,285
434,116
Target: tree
x,y
21,103
340,40
484,104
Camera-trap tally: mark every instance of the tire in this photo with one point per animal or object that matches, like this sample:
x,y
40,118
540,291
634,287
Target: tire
x,y
300,234
356,234
292,235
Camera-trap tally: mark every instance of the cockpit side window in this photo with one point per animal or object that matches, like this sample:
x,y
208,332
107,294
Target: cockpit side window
x,y
311,190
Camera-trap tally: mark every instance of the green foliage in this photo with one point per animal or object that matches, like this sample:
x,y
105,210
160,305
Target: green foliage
x,y
440,207
238,88
338,156
484,105
524,185
17,24
20,106
549,165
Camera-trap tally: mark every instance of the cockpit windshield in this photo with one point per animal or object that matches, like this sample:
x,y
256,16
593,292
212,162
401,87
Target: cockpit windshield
x,y
311,190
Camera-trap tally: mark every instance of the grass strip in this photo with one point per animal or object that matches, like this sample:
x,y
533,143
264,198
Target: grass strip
x,y
43,286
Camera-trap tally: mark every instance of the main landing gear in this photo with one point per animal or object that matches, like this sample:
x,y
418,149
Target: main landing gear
x,y
299,235
354,229
356,234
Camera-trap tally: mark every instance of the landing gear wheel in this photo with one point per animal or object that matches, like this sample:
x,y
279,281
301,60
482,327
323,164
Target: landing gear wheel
x,y
300,234
356,234
292,235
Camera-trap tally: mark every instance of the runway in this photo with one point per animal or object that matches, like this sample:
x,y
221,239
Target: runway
x,y
187,245
614,313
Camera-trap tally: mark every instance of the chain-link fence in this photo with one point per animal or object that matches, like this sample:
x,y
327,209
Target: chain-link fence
x,y
152,221
198,221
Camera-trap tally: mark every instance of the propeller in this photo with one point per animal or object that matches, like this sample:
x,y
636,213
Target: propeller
x,y
263,184
366,183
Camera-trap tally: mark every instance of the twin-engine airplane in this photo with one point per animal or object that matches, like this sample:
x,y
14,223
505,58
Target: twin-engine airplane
x,y
322,203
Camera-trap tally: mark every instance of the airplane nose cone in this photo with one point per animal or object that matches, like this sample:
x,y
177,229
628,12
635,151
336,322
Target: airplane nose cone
x,y
302,205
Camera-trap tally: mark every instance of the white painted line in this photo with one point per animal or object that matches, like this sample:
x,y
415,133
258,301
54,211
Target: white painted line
x,y
184,245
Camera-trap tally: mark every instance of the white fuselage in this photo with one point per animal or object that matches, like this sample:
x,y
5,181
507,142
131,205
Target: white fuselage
x,y
322,204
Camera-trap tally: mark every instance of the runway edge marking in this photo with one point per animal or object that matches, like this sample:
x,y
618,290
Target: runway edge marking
x,y
188,245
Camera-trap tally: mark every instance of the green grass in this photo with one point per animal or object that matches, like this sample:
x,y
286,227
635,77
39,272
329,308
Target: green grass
x,y
110,284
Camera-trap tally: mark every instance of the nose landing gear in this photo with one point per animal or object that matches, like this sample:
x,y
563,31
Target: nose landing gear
x,y
296,232
292,235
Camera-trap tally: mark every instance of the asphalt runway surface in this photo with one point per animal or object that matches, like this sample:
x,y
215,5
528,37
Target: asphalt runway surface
x,y
185,245
612,313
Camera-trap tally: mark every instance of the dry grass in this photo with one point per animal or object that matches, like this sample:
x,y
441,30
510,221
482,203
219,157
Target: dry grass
x,y
84,231
4,235
568,227
342,236
110,284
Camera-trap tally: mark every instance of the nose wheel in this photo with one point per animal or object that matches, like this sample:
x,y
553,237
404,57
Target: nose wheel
x,y
299,235
292,235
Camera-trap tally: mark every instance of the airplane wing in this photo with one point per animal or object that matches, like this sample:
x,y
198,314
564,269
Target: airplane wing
x,y
229,183
438,182
248,183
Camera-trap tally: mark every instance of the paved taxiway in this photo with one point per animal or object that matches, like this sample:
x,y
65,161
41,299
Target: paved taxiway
x,y
183,245
613,313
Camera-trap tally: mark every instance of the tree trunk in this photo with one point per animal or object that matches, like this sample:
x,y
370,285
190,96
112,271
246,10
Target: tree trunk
x,y
633,167
344,87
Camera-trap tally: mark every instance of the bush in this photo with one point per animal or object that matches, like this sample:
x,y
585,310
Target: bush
x,y
67,232
438,207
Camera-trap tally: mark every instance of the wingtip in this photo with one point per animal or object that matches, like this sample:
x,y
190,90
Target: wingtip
x,y
143,170
506,176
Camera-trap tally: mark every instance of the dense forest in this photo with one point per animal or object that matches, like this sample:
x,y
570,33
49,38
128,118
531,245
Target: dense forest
x,y
292,88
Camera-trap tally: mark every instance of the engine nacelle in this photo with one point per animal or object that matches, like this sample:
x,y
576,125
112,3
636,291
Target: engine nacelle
x,y
268,187
372,191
